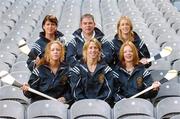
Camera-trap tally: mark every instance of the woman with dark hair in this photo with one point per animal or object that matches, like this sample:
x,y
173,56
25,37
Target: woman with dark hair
x,y
92,79
125,33
131,75
50,33
51,75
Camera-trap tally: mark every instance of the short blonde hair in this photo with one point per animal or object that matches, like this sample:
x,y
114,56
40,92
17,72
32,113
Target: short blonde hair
x,y
134,50
86,45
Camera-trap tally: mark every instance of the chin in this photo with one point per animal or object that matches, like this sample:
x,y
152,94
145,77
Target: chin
x,y
128,60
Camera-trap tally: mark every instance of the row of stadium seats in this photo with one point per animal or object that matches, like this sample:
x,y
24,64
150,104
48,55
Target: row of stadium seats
x,y
92,109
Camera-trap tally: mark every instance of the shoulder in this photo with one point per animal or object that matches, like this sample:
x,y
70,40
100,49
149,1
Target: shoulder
x,y
107,69
75,69
74,41
40,41
141,68
38,70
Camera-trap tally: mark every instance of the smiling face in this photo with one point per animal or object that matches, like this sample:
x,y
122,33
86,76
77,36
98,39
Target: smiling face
x,y
50,27
128,54
124,27
93,51
87,25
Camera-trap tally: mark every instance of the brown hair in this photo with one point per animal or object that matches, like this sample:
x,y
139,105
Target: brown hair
x,y
131,35
134,50
50,18
87,16
46,58
86,45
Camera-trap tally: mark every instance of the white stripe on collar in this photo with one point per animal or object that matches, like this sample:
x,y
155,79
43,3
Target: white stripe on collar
x,y
91,37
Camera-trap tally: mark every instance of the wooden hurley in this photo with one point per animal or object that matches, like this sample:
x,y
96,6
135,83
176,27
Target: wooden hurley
x,y
166,51
7,78
170,75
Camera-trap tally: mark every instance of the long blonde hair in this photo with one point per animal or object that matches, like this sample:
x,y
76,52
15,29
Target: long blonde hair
x,y
86,45
134,50
46,58
131,35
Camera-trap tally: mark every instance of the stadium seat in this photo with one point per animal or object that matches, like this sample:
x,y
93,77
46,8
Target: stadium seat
x,y
21,76
153,19
7,58
175,55
90,108
176,65
139,117
132,107
176,26
47,109
156,25
10,47
158,74
168,89
20,66
166,36
13,93
11,110
4,66
139,25
168,107
160,64
161,31
175,117
5,28
21,57
174,18
151,13
92,7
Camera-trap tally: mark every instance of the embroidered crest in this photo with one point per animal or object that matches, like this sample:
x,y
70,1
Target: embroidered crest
x,y
64,79
139,82
101,78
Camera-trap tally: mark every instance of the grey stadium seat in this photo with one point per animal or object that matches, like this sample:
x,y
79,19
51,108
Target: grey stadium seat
x,y
12,93
20,66
90,108
11,110
168,107
139,117
7,58
175,117
21,76
168,89
47,109
135,106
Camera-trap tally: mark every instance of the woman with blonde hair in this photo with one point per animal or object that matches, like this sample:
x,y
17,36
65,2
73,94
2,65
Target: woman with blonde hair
x,y
51,75
131,75
92,79
125,33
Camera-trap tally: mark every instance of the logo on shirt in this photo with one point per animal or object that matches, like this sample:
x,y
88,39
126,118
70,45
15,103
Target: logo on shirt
x,y
101,78
139,82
